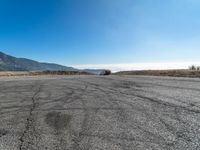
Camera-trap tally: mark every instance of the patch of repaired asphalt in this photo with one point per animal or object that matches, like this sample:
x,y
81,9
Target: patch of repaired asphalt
x,y
3,132
57,120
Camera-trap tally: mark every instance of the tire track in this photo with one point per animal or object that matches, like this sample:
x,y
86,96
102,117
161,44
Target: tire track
x,y
163,143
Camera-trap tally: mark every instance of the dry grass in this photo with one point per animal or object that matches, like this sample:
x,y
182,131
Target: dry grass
x,y
39,73
8,73
173,73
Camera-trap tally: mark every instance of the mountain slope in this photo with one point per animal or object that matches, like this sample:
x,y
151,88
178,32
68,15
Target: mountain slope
x,y
10,63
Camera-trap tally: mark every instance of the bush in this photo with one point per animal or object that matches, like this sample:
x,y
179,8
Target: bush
x,y
193,67
105,72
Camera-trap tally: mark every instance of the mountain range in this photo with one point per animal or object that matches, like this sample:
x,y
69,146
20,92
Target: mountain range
x,y
11,63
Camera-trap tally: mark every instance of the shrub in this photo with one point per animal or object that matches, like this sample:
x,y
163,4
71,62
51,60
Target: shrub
x,y
105,72
193,67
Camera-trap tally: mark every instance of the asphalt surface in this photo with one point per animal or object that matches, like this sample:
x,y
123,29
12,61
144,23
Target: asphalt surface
x,y
99,113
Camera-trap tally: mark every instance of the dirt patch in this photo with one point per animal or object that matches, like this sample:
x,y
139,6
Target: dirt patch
x,y
57,120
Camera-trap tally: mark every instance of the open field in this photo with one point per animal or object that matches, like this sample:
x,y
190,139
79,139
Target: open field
x,y
172,73
99,113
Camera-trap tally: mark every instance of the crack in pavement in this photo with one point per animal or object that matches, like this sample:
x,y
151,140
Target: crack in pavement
x,y
29,128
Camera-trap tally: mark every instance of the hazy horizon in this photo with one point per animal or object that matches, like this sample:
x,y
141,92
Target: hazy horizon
x,y
139,66
131,66
114,34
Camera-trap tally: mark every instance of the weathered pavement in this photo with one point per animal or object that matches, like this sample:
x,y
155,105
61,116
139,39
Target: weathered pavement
x,y
99,113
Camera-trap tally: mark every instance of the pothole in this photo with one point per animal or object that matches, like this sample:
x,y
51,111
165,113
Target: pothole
x,y
57,120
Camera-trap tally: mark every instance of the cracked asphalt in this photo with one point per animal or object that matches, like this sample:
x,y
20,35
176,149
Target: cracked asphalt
x,y
99,113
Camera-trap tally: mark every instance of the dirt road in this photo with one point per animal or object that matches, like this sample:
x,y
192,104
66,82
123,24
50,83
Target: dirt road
x,y
99,113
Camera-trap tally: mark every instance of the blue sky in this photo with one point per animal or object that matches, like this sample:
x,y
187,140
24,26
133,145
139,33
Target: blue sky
x,y
93,32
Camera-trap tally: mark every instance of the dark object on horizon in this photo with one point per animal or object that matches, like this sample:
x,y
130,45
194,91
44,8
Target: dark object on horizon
x,y
105,72
94,71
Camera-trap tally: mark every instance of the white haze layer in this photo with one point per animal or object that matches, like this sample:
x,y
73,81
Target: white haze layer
x,y
138,66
